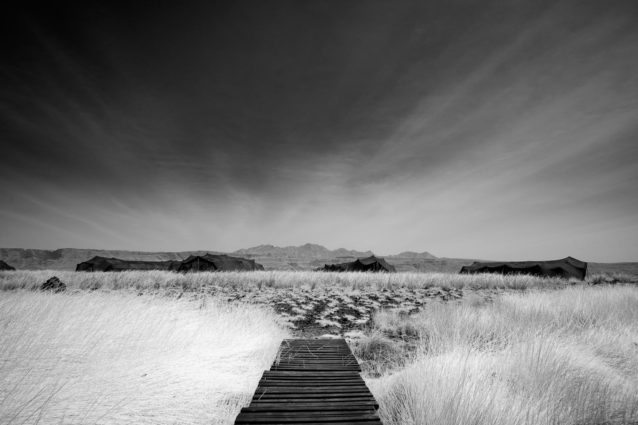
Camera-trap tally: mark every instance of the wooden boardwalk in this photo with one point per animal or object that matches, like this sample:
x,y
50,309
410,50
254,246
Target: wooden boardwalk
x,y
312,381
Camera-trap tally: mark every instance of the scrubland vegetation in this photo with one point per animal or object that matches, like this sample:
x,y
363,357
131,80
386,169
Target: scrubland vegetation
x,y
163,348
312,303
97,358
249,281
561,357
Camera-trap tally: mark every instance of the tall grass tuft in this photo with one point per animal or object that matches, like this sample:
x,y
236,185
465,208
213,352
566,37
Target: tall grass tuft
x,y
560,357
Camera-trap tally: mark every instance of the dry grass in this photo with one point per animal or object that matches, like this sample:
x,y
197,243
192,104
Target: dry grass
x,y
563,357
147,281
611,278
312,303
100,354
99,358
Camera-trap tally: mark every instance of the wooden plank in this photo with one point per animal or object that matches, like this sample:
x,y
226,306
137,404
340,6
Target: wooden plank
x,y
319,361
317,358
313,412
311,389
365,422
276,373
317,366
325,382
336,367
307,382
336,398
274,384
283,365
319,376
309,378
315,350
342,395
310,402
297,407
310,405
305,373
312,382
261,418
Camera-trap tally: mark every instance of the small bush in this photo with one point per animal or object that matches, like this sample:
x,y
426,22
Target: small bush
x,y
396,325
376,347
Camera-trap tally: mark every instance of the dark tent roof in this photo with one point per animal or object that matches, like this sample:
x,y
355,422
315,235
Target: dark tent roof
x,y
5,266
367,264
217,262
193,263
103,264
566,268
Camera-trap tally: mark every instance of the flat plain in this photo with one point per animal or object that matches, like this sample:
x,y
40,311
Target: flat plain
x,y
162,347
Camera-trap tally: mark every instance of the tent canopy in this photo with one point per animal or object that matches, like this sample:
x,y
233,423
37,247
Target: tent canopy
x,y
367,264
5,266
565,268
217,262
103,264
193,263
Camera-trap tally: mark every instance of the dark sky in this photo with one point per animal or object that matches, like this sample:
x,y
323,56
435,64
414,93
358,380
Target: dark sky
x,y
476,128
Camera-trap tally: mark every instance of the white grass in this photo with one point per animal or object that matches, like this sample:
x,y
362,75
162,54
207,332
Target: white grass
x,y
562,357
99,358
108,356
252,281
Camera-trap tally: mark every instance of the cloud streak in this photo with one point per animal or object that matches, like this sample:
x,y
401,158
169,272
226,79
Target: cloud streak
x,y
464,128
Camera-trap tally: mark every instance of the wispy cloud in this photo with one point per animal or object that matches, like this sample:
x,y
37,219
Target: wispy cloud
x,y
484,130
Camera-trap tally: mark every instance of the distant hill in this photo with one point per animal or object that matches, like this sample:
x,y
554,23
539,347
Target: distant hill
x,y
310,256
304,257
415,255
68,258
308,250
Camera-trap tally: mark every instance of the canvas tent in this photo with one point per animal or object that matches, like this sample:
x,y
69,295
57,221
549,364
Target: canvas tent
x,y
5,266
103,264
367,264
217,262
208,262
566,268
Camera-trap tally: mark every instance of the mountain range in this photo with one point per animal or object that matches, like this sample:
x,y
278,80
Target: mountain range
x,y
304,257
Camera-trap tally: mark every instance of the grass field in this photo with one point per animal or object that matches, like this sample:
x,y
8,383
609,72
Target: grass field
x,y
312,303
565,357
164,348
250,281
97,358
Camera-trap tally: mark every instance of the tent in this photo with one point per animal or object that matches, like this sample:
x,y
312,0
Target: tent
x,y
5,266
367,264
565,268
103,264
217,262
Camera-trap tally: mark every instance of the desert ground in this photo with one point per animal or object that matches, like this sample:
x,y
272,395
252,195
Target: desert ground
x,y
163,348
